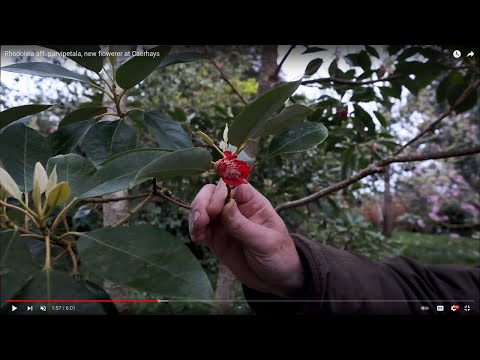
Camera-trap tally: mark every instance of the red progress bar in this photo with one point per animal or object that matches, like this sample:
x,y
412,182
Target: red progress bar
x,y
83,301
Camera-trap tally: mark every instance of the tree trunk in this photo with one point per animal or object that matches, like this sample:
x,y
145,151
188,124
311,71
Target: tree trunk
x,y
227,282
387,205
115,211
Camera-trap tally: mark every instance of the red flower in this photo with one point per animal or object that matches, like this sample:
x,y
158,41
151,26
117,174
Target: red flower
x,y
232,171
343,113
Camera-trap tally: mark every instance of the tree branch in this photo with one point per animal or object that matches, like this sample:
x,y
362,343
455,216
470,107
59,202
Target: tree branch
x,y
167,195
283,60
373,169
2,203
350,82
430,127
134,211
102,200
225,78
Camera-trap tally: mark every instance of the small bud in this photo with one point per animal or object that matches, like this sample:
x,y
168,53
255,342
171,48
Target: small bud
x,y
225,134
206,138
59,194
343,113
52,181
9,185
40,180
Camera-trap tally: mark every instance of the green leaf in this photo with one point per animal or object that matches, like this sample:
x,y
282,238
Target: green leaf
x,y
81,114
108,138
74,170
90,58
183,162
372,51
381,119
290,115
297,138
9,186
363,95
118,173
21,148
313,66
66,139
255,114
45,69
333,68
180,58
146,259
365,118
167,132
312,49
10,115
456,85
138,68
16,264
443,87
53,284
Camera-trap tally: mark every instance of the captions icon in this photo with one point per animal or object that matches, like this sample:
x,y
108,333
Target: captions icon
x,y
440,308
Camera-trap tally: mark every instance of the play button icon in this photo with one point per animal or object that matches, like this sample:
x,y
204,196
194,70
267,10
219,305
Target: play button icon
x,y
14,308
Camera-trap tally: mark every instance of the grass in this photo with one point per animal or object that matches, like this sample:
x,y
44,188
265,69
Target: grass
x,y
437,249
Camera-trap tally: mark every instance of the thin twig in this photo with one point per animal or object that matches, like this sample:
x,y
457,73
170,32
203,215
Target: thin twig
x,y
174,201
134,211
277,71
74,259
70,233
373,169
224,77
430,127
21,210
350,82
107,200
65,223
64,251
62,213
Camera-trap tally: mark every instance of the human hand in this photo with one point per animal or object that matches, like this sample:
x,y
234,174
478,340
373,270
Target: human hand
x,y
248,236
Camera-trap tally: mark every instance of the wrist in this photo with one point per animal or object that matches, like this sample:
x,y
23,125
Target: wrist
x,y
294,285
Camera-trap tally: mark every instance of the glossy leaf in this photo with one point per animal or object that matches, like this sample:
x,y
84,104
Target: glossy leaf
x,y
66,139
119,172
289,116
146,259
108,138
333,68
16,264
81,114
16,113
138,68
21,148
313,66
297,138
167,132
94,63
183,162
363,95
46,70
255,114
74,170
54,284
456,85
180,58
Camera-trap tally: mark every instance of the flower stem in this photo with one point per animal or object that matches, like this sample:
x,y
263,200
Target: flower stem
x,y
229,194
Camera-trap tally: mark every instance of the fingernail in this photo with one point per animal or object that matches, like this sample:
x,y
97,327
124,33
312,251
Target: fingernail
x,y
193,218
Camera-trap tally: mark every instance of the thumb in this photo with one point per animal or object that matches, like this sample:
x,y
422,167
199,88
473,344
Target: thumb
x,y
248,232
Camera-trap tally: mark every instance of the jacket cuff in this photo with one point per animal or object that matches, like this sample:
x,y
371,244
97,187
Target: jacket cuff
x,y
313,289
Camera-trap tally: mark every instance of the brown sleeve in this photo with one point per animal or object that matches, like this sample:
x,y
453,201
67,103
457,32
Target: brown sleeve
x,y
341,282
